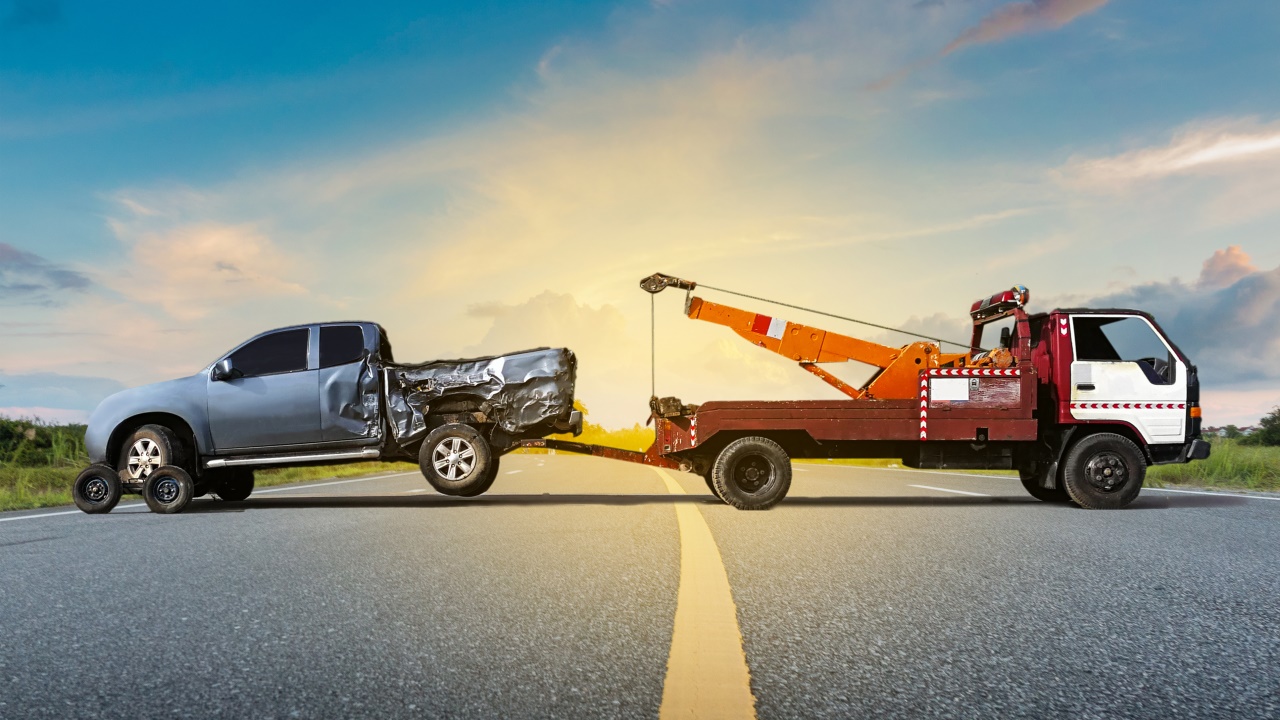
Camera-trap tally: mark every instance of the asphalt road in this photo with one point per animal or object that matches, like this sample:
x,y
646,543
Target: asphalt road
x,y
867,593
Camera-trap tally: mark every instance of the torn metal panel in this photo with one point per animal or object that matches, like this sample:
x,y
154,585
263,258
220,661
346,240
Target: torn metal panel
x,y
522,393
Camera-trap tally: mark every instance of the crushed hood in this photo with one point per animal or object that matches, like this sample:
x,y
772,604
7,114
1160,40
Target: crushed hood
x,y
524,392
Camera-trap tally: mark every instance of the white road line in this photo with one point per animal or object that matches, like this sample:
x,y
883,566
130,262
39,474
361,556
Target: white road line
x,y
31,517
335,482
415,490
958,492
1218,494
513,472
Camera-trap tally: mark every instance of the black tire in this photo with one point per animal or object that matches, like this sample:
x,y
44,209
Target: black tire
x,y
97,489
752,473
1104,471
159,444
487,482
711,485
1031,482
455,459
234,485
168,489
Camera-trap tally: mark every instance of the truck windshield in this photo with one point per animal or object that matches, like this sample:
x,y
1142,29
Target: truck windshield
x,y
1124,339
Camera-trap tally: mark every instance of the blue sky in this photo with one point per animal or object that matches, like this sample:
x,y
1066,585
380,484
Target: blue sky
x,y
481,176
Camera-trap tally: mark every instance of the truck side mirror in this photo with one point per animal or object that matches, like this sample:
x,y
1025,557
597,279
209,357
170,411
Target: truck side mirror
x,y
224,370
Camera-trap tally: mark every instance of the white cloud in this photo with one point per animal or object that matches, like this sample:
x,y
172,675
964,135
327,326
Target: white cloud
x,y
1222,146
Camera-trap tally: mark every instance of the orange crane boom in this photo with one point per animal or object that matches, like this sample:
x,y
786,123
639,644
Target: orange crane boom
x,y
899,374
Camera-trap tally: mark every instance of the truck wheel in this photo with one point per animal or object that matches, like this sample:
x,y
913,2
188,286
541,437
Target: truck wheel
x,y
1031,481
148,448
97,489
1104,472
485,483
455,459
752,473
234,485
168,489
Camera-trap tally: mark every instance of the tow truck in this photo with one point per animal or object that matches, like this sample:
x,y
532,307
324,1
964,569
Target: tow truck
x,y
1079,401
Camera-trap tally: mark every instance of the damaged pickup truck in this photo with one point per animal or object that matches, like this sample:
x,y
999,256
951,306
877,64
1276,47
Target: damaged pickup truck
x,y
318,395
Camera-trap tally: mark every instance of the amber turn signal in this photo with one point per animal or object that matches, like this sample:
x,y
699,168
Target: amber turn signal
x,y
1195,412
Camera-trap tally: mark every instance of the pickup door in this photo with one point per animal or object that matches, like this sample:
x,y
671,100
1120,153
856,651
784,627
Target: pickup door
x,y
277,399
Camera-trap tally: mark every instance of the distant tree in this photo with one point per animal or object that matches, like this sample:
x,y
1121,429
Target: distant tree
x,y
1268,432
1231,432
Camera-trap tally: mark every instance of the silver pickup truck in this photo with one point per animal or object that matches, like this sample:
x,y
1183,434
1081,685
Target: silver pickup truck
x,y
321,394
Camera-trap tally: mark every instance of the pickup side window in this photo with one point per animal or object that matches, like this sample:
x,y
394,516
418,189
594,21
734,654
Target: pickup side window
x,y
340,344
280,352
1124,339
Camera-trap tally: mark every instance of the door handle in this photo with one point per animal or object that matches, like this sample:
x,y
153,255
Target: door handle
x,y
1085,386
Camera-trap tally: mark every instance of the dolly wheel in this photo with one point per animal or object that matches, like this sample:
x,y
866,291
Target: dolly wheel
x,y
97,489
168,489
752,473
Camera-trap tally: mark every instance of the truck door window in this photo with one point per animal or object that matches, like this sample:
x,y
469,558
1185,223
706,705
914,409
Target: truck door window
x,y
1124,339
340,344
281,352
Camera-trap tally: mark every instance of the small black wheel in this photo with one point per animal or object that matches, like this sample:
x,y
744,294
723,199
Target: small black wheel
x,y
752,473
485,483
97,489
234,485
168,489
1104,472
1031,482
455,459
149,447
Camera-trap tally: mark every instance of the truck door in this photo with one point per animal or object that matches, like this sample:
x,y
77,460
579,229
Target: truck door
x,y
348,383
274,398
1123,370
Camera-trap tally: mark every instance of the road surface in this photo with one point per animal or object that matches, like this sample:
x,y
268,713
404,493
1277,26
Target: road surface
x,y
867,593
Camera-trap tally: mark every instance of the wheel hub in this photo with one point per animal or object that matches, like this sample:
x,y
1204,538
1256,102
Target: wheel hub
x,y
454,458
144,458
752,473
166,491
1106,471
96,490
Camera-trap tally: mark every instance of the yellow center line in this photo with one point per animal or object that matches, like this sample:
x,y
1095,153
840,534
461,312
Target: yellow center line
x,y
707,674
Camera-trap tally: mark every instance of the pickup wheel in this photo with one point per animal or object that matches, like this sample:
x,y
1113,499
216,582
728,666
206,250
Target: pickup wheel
x,y
168,489
97,489
234,485
485,483
1031,482
1104,472
752,473
455,459
146,449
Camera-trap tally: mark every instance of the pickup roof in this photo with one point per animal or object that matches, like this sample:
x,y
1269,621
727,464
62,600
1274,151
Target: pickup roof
x,y
329,393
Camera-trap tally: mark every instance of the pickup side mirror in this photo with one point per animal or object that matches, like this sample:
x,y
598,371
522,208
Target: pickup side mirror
x,y
224,371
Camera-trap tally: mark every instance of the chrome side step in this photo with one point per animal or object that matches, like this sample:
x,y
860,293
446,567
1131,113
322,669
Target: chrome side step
x,y
369,453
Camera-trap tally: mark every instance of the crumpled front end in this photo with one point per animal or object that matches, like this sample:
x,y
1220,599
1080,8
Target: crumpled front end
x,y
525,394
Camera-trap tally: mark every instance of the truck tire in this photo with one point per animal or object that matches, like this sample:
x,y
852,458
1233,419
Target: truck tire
x,y
455,458
97,489
168,489
752,473
1031,482
234,485
1104,471
483,486
147,448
